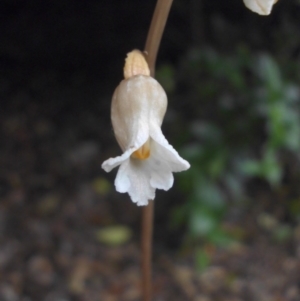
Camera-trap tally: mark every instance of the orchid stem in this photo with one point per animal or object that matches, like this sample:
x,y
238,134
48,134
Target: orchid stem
x,y
147,229
155,33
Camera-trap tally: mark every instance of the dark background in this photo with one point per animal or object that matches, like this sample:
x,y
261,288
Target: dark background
x,y
59,64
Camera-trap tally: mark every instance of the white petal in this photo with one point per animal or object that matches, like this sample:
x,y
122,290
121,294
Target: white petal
x,y
133,177
262,7
162,179
122,181
111,163
140,189
140,178
165,153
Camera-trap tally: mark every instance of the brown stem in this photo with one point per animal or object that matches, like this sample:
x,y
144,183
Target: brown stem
x,y
147,229
156,30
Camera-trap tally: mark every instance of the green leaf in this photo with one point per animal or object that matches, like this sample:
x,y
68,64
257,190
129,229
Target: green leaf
x,y
270,168
202,222
101,186
220,238
251,167
114,235
203,259
282,233
270,73
209,193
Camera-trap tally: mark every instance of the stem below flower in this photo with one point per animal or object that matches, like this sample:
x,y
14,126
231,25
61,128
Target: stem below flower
x,y
147,229
156,30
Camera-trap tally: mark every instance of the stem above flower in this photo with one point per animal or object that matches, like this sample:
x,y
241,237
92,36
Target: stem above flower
x,y
155,32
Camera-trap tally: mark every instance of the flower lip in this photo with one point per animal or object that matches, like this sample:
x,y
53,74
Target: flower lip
x,y
143,152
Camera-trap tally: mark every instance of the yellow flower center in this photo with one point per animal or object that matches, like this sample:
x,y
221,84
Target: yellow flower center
x,y
143,152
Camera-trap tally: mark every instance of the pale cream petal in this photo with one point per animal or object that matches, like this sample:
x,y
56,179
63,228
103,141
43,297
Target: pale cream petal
x,y
133,177
111,163
140,190
262,7
122,181
165,153
161,179
135,101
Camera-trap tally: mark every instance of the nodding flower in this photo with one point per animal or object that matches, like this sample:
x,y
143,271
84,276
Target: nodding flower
x,y
261,7
138,107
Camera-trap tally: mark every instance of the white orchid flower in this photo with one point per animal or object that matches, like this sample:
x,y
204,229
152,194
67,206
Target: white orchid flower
x,y
261,7
138,107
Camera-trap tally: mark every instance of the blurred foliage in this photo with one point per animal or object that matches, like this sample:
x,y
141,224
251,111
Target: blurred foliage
x,y
113,235
243,116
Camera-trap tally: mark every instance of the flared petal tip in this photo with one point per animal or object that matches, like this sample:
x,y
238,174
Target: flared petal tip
x,y
186,165
261,7
106,166
111,163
